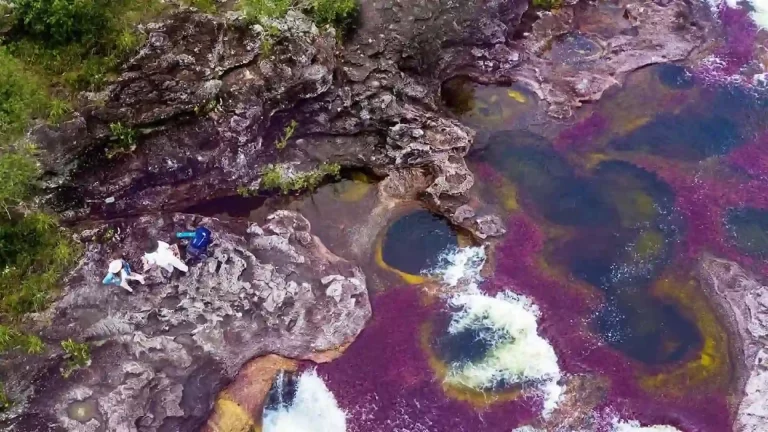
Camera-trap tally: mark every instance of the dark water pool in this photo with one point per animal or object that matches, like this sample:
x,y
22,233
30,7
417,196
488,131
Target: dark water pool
x,y
607,217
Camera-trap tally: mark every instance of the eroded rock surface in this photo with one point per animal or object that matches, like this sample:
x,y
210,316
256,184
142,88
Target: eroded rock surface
x,y
210,98
160,355
743,300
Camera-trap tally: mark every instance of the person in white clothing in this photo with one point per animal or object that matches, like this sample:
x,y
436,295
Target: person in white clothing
x,y
160,253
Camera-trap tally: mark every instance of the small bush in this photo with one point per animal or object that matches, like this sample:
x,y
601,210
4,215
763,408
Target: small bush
x,y
34,256
21,96
338,13
60,22
124,140
258,10
78,356
18,171
274,177
11,339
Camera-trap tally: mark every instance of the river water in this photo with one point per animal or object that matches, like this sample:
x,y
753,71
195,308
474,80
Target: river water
x,y
588,314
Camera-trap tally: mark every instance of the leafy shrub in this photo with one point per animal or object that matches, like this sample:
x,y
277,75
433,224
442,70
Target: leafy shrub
x,y
78,356
274,177
258,10
20,96
18,169
34,255
338,13
11,338
124,140
60,22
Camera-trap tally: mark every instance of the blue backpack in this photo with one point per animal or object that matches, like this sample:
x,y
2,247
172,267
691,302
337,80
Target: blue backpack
x,y
202,238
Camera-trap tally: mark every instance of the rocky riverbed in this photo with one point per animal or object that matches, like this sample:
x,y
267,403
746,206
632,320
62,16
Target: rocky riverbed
x,y
517,220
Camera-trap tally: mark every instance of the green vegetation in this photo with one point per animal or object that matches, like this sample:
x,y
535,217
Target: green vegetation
x,y
207,108
275,177
258,10
124,140
5,401
11,339
287,134
21,96
78,356
337,13
547,4
206,6
246,192
77,44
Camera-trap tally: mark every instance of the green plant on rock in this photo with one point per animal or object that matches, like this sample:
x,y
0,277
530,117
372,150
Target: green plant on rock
x,y
288,132
124,140
205,6
337,13
78,356
58,109
547,4
5,401
246,192
259,10
11,339
274,177
207,108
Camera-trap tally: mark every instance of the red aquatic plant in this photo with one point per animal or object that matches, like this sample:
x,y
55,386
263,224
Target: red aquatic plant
x,y
582,134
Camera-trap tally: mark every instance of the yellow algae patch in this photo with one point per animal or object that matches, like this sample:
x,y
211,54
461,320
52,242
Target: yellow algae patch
x,y
410,279
648,244
634,123
711,367
508,195
517,96
635,207
351,190
478,399
594,159
229,416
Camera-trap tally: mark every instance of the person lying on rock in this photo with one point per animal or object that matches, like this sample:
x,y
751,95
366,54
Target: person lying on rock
x,y
160,253
120,273
199,239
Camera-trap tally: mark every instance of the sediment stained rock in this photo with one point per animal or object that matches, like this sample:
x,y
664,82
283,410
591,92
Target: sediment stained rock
x,y
742,300
159,356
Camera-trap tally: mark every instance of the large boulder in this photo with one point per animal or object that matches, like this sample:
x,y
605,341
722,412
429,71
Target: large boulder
x,y
160,355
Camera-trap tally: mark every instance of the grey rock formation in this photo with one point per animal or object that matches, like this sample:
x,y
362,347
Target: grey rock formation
x,y
159,356
743,301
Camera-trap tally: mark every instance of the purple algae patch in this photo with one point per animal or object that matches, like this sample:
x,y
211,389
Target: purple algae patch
x,y
581,135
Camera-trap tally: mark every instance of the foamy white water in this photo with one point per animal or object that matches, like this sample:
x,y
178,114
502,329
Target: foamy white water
x,y
313,410
634,426
518,354
457,265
